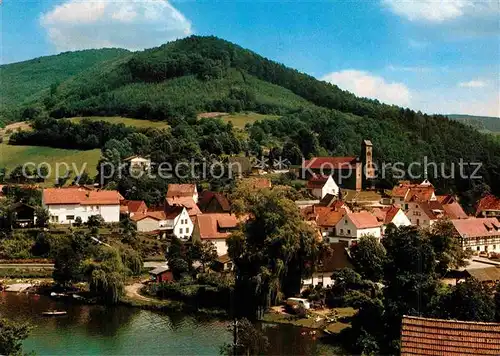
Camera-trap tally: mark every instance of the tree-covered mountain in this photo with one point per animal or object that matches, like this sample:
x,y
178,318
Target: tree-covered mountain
x,y
175,81
481,123
27,82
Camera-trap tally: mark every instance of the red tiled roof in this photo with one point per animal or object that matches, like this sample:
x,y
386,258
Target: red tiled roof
x,y
488,202
330,163
433,337
420,194
181,190
259,183
207,196
317,181
186,202
454,211
210,224
133,206
156,215
386,214
364,220
477,227
76,195
335,258
171,212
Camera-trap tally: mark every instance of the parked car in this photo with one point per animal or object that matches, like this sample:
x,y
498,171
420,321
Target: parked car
x,y
298,301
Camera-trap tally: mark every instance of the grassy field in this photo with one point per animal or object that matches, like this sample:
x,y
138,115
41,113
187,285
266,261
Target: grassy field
x,y
12,156
240,119
124,120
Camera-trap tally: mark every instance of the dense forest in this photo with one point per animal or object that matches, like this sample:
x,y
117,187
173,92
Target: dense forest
x,y
176,81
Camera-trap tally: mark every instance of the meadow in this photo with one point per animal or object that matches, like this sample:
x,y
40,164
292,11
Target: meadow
x,y
124,120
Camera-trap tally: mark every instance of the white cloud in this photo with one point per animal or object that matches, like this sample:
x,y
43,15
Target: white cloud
x,y
473,84
439,11
135,24
413,69
367,85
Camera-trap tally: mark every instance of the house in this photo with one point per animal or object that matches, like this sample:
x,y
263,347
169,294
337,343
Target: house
x,y
437,337
407,195
213,202
161,274
352,226
348,171
223,264
182,191
425,214
478,234
215,228
67,204
320,186
138,162
186,202
175,220
490,275
326,218
132,207
24,216
452,209
336,259
488,206
391,215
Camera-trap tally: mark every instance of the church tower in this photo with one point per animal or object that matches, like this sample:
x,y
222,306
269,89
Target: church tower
x,y
367,161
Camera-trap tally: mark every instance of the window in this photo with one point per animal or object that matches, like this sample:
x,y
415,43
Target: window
x,y
55,218
348,231
478,248
180,231
341,231
70,217
494,247
418,222
345,222
187,230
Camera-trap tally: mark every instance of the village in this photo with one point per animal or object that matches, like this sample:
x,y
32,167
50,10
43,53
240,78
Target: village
x,y
340,214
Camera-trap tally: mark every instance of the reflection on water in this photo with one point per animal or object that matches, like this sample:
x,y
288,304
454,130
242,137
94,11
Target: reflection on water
x,y
99,330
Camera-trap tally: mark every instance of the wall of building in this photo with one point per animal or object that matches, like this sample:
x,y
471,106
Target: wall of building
x,y
220,245
67,213
324,277
147,225
183,226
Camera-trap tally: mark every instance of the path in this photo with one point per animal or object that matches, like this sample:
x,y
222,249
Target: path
x,y
132,291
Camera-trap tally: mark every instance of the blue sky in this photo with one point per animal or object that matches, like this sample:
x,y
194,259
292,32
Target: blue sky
x,y
434,56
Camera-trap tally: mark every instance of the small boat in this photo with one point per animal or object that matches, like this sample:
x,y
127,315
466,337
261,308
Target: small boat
x,y
54,312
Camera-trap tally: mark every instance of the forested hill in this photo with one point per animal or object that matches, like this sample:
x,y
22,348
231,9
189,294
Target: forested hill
x,y
30,81
482,123
175,81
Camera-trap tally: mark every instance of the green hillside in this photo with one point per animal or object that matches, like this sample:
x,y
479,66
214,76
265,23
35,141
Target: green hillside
x,y
181,79
28,81
481,123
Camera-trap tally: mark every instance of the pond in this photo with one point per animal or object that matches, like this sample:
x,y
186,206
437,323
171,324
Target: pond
x,y
120,330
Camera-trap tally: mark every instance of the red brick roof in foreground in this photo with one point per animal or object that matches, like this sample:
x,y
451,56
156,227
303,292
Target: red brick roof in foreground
x,y
76,195
386,214
489,202
432,337
330,163
186,202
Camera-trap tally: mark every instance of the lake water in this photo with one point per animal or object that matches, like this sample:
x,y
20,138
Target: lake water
x,y
99,330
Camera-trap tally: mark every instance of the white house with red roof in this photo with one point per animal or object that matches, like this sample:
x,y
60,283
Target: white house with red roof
x,y
352,226
66,204
185,195
175,220
478,234
321,185
215,228
391,215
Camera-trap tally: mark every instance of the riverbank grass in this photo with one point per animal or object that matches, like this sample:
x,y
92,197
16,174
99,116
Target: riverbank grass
x,y
315,320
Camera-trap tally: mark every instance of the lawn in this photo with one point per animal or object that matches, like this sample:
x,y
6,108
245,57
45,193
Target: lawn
x,y
12,156
124,120
240,119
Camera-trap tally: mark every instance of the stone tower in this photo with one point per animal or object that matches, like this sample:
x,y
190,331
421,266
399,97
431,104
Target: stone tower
x,y
367,161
